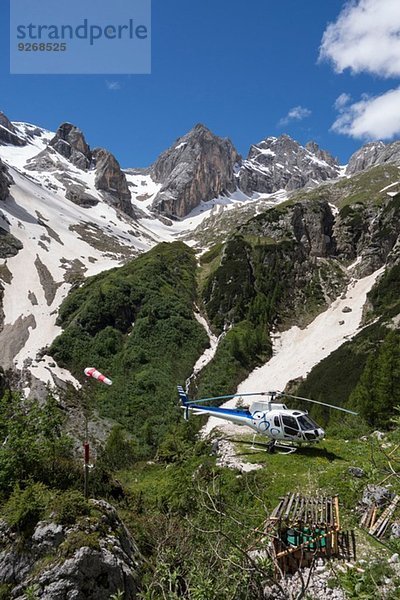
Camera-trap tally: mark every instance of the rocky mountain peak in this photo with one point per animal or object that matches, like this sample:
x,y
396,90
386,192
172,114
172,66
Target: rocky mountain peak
x,y
373,154
8,133
111,179
282,163
70,142
198,167
323,155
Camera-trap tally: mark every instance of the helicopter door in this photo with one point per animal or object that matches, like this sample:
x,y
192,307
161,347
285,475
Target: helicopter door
x,y
290,426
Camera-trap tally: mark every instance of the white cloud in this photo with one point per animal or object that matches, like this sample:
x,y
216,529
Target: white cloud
x,y
372,117
113,85
342,101
365,38
297,113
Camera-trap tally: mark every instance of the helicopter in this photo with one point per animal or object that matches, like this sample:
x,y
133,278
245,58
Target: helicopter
x,y
286,429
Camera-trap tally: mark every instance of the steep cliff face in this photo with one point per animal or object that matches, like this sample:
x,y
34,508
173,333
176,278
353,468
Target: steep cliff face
x,y
110,179
5,181
369,232
372,154
8,133
270,271
70,142
198,167
308,223
282,163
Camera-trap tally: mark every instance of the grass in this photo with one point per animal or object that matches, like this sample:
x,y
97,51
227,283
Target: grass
x,y
312,470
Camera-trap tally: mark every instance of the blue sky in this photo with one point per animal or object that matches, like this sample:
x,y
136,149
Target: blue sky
x,y
240,68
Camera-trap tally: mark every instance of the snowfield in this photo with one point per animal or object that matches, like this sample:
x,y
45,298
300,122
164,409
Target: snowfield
x,y
297,351
62,241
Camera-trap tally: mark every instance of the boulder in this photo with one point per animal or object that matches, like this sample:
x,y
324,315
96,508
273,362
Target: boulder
x,y
70,142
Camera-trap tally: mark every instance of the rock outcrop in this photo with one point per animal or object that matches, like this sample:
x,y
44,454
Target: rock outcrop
x,y
198,167
373,154
91,560
8,134
77,194
283,164
70,142
9,245
5,181
111,180
308,223
369,232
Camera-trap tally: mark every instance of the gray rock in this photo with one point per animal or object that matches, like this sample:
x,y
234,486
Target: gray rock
x,y
373,154
310,224
199,167
112,180
70,142
395,530
48,535
393,559
356,471
77,194
282,163
376,494
347,309
8,134
5,181
108,563
9,245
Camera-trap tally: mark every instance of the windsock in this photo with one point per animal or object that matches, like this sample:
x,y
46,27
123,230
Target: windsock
x,y
92,372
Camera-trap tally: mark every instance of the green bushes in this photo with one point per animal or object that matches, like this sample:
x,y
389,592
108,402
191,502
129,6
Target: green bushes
x,y
34,448
26,507
69,506
136,324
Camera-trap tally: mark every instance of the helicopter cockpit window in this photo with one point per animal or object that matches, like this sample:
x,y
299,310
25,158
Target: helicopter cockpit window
x,y
276,421
306,423
290,425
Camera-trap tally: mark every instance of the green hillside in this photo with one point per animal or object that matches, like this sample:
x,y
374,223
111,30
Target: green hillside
x,y
136,324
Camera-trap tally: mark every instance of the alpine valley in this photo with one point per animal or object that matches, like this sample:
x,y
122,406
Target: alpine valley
x,y
278,271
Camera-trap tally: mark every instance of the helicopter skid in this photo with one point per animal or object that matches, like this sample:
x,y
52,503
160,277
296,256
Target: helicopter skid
x,y
270,447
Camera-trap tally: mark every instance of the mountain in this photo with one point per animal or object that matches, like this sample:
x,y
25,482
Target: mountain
x,y
199,167
373,154
282,163
232,275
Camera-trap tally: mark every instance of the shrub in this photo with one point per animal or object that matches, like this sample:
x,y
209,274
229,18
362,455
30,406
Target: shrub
x,y
69,506
26,507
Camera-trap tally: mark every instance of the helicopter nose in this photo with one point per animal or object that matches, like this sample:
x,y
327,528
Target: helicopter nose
x,y
321,433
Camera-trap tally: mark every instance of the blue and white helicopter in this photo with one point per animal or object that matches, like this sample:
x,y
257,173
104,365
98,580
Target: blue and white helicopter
x,y
287,429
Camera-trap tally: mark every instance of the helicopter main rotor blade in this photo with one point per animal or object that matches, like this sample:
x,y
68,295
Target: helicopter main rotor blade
x,y
351,412
229,396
